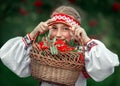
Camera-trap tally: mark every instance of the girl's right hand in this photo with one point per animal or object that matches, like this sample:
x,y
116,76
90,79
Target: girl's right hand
x,y
41,28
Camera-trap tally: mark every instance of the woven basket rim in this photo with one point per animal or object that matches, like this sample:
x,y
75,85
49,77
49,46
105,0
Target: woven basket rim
x,y
40,59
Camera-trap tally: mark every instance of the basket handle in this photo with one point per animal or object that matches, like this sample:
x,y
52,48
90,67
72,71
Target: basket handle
x,y
83,46
36,35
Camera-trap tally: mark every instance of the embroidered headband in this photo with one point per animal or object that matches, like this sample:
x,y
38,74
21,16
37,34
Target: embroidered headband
x,y
63,18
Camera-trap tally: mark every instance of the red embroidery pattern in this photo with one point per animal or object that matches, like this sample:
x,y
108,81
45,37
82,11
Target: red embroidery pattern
x,y
63,18
90,45
85,74
27,41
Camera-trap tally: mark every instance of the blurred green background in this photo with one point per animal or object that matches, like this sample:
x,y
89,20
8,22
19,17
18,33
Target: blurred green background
x,y
100,18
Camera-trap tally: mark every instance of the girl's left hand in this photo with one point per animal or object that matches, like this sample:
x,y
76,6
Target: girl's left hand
x,y
79,33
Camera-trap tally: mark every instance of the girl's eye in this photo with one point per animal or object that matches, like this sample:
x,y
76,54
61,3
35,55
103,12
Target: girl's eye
x,y
54,28
66,28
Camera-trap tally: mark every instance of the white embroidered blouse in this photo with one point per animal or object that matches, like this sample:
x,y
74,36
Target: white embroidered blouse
x,y
99,61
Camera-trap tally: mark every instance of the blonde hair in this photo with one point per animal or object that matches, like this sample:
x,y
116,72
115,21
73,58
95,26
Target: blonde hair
x,y
69,10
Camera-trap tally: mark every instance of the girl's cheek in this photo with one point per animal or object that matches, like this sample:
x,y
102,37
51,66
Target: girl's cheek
x,y
67,35
52,33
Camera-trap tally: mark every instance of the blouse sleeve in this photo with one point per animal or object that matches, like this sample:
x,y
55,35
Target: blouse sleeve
x,y
99,61
15,55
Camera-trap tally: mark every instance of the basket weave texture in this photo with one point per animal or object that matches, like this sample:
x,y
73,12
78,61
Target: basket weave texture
x,y
50,68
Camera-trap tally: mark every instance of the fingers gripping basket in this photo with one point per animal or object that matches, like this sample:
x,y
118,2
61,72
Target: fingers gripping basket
x,y
61,68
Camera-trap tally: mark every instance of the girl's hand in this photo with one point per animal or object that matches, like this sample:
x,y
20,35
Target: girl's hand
x,y
79,33
41,28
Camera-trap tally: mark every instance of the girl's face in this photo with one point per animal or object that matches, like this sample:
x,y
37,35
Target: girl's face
x,y
60,31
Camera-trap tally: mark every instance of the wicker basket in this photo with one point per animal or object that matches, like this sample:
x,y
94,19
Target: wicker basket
x,y
50,68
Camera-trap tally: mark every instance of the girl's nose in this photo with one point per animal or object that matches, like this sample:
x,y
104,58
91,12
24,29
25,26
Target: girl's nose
x,y
58,34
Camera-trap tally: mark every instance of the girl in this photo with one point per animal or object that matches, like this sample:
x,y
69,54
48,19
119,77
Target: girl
x,y
64,24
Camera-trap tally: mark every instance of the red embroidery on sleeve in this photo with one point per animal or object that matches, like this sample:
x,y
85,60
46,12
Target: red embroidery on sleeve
x,y
85,74
90,45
